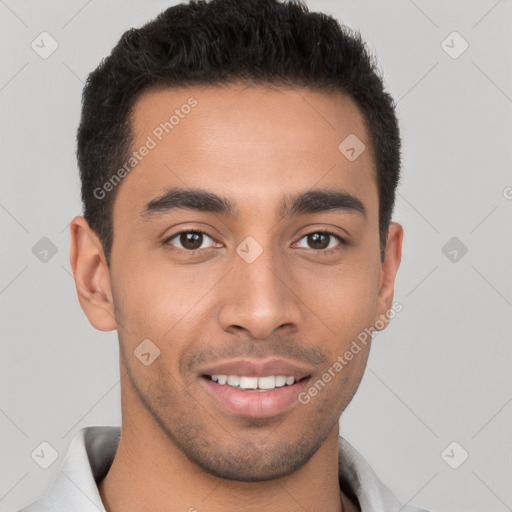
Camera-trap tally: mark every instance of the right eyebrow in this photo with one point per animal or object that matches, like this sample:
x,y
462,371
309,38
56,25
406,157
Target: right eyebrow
x,y
312,201
190,199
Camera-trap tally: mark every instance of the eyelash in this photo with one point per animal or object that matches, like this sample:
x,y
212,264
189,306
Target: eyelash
x,y
194,251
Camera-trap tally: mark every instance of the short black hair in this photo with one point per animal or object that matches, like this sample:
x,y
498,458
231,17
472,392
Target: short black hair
x,y
262,42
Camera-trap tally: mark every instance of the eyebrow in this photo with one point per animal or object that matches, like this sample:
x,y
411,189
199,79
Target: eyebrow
x,y
312,201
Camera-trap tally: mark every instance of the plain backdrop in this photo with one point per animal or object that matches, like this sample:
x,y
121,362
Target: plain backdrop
x,y
440,373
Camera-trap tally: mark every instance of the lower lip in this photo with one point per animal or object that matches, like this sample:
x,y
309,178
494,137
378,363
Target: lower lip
x,y
255,404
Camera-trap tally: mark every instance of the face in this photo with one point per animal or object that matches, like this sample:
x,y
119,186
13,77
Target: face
x,y
246,255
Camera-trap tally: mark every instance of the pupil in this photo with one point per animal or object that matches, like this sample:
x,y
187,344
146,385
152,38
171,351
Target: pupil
x,y
318,240
191,240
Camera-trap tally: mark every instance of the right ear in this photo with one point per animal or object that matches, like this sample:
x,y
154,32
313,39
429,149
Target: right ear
x,y
92,275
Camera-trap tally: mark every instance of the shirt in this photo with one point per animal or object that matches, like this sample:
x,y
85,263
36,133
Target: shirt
x,y
92,451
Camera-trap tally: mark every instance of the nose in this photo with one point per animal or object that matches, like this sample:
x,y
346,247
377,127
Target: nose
x,y
260,298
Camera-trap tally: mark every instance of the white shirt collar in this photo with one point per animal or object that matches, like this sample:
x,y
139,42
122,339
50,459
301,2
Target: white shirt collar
x,y
92,451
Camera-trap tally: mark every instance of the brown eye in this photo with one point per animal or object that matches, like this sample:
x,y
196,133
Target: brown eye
x,y
318,240
191,240
188,240
322,240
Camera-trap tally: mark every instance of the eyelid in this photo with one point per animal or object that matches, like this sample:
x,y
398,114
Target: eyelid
x,y
189,230
342,241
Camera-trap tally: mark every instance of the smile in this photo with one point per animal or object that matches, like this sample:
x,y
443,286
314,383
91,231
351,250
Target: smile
x,y
254,383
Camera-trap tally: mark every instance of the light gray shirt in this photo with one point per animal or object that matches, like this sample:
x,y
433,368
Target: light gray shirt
x,y
92,451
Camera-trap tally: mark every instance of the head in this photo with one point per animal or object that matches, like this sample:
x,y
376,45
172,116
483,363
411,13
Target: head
x,y
239,161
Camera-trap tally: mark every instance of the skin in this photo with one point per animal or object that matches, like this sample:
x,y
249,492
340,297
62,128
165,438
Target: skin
x,y
180,449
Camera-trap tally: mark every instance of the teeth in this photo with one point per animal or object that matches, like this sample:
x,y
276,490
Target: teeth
x,y
267,382
248,382
261,383
233,380
280,381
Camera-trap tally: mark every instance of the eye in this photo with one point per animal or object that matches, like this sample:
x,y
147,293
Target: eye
x,y
188,240
323,240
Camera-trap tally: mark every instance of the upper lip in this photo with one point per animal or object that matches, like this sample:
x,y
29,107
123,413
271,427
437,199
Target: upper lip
x,y
257,368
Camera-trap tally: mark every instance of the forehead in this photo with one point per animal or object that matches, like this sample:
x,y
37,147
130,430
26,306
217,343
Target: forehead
x,y
253,144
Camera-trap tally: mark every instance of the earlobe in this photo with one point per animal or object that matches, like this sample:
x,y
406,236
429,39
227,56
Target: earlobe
x,y
91,275
393,256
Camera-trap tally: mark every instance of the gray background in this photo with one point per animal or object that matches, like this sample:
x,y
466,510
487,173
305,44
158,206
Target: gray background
x,y
439,373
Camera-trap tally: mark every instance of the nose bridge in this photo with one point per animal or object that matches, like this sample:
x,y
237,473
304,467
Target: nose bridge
x,y
259,299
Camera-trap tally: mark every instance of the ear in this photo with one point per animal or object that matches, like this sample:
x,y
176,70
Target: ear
x,y
91,274
392,258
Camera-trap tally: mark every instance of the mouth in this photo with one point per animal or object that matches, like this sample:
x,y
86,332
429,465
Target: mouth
x,y
257,384
255,389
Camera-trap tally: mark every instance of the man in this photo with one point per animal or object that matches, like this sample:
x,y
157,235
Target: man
x,y
239,160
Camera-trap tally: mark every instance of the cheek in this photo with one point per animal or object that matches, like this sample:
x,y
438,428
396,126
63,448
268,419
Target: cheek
x,y
146,296
343,299
162,304
330,392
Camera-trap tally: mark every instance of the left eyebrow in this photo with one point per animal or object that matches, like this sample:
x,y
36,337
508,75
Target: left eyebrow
x,y
312,201
322,200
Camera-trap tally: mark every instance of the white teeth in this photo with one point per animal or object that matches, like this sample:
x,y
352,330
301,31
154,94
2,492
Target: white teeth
x,y
233,380
280,381
268,382
260,383
248,382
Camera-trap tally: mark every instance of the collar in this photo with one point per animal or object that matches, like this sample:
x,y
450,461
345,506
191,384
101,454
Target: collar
x,y
93,449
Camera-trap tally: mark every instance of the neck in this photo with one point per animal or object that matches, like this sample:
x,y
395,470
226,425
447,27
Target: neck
x,y
150,472
156,475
